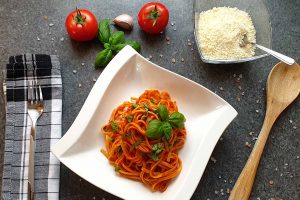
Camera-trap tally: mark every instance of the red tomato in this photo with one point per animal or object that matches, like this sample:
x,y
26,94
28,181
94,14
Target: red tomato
x,y
153,17
82,25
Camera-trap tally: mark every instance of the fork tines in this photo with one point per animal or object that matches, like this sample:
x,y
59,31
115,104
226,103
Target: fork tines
x,y
34,93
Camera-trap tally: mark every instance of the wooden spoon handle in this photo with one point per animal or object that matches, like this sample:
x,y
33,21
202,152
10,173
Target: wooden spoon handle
x,y
243,186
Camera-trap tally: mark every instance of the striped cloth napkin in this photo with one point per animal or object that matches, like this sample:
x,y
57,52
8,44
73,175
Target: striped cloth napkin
x,y
46,70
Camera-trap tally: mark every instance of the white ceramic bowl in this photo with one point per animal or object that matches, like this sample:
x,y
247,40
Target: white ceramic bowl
x,y
127,75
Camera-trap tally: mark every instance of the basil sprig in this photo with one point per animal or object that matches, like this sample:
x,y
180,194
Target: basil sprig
x,y
112,42
163,128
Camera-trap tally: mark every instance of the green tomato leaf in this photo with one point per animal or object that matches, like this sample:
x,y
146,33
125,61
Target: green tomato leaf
x,y
166,130
177,120
163,112
104,31
103,58
134,44
153,129
117,37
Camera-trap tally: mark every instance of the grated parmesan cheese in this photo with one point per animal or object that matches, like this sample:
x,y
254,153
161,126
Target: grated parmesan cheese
x,y
221,30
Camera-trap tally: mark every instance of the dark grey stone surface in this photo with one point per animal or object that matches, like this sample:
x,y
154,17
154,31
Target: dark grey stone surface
x,y
22,23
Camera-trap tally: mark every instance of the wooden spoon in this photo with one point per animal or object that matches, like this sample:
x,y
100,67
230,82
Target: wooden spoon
x,y
283,86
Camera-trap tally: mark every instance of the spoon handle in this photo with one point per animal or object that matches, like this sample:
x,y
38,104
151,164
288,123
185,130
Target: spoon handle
x,y
243,186
277,55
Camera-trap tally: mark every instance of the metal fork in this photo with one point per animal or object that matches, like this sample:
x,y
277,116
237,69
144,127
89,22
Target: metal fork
x,y
35,107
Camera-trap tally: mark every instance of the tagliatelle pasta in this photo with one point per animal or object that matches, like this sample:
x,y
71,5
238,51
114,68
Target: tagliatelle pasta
x,y
143,137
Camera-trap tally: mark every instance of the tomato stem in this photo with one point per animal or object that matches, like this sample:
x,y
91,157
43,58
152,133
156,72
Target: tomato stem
x,y
79,19
154,15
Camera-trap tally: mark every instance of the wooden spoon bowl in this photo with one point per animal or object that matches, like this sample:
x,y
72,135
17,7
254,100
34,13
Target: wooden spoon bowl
x,y
283,87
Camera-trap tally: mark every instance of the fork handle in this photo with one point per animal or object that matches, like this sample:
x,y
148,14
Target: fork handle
x,y
31,164
243,186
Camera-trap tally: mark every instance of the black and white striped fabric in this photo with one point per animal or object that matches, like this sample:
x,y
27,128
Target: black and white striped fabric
x,y
46,70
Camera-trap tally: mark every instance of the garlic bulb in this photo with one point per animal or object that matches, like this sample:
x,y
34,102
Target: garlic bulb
x,y
125,21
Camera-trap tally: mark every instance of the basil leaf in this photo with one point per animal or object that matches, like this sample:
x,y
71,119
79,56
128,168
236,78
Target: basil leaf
x,y
107,46
117,48
155,110
117,38
135,105
146,105
104,31
127,135
134,44
163,112
129,118
157,148
153,156
153,129
103,58
153,100
117,168
114,126
146,109
177,120
120,150
135,145
166,130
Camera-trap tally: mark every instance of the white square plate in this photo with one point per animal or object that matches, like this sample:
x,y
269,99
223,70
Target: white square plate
x,y
128,75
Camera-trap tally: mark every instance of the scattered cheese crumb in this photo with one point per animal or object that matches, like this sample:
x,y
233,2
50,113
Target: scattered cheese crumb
x,y
228,191
221,31
213,159
247,144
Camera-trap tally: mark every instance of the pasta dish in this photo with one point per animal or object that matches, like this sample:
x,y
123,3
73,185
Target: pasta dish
x,y
143,137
